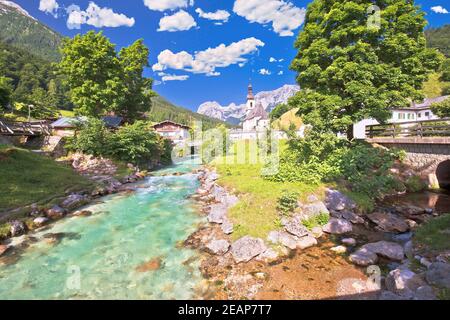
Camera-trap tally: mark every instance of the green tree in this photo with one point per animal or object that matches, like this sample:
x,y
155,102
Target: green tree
x,y
92,138
442,109
138,93
101,81
92,74
279,110
5,92
350,70
446,70
42,104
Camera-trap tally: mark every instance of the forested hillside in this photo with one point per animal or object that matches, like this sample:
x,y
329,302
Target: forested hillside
x,y
164,110
439,38
20,30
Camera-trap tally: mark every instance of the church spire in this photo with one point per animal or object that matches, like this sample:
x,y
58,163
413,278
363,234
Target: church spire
x,y
250,95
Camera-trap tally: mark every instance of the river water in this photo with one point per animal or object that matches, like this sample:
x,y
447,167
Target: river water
x,y
101,256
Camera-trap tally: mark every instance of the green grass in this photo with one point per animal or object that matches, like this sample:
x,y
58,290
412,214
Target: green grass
x,y
434,86
256,213
435,234
28,178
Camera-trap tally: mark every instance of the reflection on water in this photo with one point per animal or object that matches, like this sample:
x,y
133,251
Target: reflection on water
x,y
439,201
126,250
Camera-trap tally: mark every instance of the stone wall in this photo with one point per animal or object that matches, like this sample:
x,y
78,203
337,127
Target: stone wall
x,y
424,159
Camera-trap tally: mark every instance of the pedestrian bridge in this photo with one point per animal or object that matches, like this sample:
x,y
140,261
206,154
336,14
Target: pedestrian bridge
x,y
427,144
30,128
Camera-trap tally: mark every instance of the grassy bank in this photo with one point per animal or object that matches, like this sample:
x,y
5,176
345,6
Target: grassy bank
x,y
256,214
435,234
27,178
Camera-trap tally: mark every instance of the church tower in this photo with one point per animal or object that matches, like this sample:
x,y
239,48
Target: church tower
x,y
250,98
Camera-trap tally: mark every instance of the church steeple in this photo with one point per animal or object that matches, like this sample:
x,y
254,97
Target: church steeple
x,y
250,92
250,98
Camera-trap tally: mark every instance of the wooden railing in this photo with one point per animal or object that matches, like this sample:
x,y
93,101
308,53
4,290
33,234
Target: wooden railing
x,y
32,128
426,128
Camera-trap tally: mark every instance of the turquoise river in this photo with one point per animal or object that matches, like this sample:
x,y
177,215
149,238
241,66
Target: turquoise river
x,y
99,257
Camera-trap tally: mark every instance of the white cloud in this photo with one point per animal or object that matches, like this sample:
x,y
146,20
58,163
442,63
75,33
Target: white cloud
x,y
284,16
439,9
265,72
162,5
206,62
172,77
97,17
272,59
49,6
280,73
220,15
180,21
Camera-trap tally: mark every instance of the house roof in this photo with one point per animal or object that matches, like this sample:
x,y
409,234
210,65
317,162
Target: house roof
x,y
73,122
427,103
112,121
68,122
257,111
171,123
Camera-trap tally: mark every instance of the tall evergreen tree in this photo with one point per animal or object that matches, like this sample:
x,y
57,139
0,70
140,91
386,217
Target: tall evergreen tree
x,y
350,68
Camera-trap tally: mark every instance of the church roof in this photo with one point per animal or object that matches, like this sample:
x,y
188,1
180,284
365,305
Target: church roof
x,y
257,111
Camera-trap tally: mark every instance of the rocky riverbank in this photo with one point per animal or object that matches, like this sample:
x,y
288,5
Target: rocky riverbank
x,y
101,171
331,258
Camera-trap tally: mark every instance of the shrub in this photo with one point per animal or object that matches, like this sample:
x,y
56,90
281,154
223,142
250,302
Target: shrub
x,y
134,143
414,184
92,137
316,221
287,202
324,157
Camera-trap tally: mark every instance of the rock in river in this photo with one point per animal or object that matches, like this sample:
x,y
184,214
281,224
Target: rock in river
x,y
74,201
337,201
439,275
40,221
17,228
218,247
368,254
151,265
338,226
389,222
56,212
246,248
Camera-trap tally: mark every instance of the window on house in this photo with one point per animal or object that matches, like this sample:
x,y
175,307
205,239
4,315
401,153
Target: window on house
x,y
419,115
427,114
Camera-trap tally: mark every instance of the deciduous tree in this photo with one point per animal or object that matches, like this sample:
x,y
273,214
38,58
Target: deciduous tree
x,y
350,70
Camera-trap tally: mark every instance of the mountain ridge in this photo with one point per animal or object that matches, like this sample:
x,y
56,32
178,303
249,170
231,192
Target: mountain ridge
x,y
234,113
18,28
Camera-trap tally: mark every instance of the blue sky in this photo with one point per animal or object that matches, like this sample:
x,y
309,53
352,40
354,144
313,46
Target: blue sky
x,y
258,35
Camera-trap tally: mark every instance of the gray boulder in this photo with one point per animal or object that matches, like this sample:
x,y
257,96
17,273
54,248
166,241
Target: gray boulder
x,y
306,242
218,247
74,201
40,221
217,214
314,209
424,293
337,201
17,228
56,212
363,257
386,249
295,227
402,282
389,222
269,255
246,248
338,226
439,275
227,227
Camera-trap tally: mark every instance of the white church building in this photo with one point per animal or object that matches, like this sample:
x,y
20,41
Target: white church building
x,y
256,117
